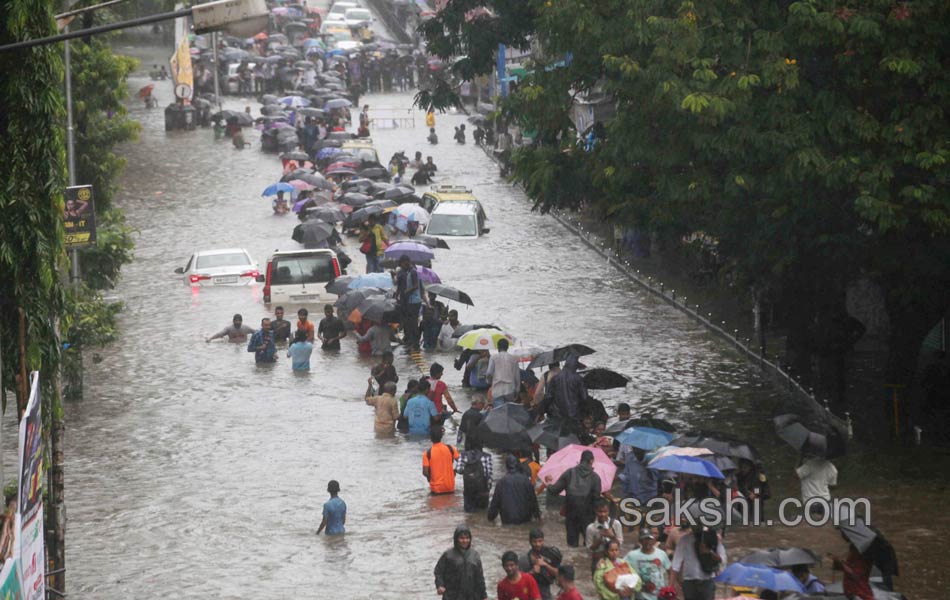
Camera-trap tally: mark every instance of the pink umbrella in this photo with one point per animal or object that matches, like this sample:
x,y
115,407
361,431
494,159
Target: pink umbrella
x,y
570,456
301,185
427,275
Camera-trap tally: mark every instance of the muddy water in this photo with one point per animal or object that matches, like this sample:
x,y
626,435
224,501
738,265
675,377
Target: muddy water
x,y
192,473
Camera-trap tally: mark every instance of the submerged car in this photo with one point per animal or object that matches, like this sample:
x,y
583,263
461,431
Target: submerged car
x,y
457,220
228,266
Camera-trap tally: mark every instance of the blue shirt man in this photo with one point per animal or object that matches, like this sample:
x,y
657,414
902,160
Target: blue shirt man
x,y
334,511
419,411
638,481
262,344
299,352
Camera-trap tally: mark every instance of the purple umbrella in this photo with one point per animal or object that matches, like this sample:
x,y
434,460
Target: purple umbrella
x,y
427,275
416,252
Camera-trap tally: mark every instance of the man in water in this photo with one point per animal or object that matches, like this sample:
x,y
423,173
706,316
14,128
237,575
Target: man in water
x,y
430,166
437,464
516,585
651,564
280,326
565,581
459,574
385,405
331,329
475,467
379,337
409,297
470,420
236,332
504,375
514,498
334,511
262,344
299,352
582,487
303,322
433,138
601,532
541,562
419,410
385,372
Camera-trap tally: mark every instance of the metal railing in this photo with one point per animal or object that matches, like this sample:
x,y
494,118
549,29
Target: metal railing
x,y
386,117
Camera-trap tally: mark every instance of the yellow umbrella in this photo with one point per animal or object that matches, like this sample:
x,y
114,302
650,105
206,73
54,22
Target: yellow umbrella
x,y
482,339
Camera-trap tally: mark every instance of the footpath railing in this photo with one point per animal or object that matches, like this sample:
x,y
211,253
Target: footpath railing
x,y
386,117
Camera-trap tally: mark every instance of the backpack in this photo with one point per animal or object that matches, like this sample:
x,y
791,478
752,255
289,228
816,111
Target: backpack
x,y
473,474
708,561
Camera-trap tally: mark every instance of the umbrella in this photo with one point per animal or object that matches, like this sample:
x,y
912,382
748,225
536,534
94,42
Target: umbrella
x,y
719,443
394,192
339,171
451,293
870,542
312,232
337,103
304,204
295,155
781,557
477,120
375,173
431,241
361,215
505,428
310,112
352,298
482,339
269,99
146,90
758,576
559,354
341,285
686,464
341,163
644,438
325,153
806,441
407,213
341,135
463,329
428,276
272,189
300,185
378,309
355,199
326,213
646,421
604,379
294,101
417,253
570,456
269,110
677,451
552,435
382,203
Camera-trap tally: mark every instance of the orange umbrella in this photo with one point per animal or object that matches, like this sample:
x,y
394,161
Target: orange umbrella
x,y
146,91
261,36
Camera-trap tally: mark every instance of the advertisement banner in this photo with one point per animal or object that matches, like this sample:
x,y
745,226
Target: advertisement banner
x,y
79,217
10,581
181,73
30,540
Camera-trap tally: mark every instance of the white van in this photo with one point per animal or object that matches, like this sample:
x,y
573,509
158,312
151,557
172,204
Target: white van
x,y
300,276
457,220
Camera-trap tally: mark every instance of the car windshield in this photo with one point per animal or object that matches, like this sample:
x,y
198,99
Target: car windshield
x,y
289,270
231,259
359,14
343,36
452,225
367,155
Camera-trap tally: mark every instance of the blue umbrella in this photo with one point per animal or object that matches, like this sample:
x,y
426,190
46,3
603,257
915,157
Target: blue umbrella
x,y
337,103
273,188
645,438
759,576
417,253
325,153
686,464
380,280
294,101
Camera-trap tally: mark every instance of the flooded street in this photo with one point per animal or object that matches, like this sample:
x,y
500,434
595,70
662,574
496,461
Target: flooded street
x,y
192,473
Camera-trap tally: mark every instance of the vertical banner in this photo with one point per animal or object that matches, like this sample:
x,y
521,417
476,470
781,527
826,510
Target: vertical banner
x,y
181,68
32,555
79,217
502,71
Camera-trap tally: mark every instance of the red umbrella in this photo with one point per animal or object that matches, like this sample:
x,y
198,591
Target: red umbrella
x,y
146,91
261,36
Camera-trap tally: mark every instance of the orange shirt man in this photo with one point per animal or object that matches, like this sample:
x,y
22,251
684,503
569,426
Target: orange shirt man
x,y
305,324
438,464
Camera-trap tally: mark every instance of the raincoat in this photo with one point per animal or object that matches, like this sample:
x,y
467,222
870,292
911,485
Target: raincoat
x,y
460,571
566,391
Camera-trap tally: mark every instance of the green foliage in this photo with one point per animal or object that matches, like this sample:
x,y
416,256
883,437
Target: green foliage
x,y
101,263
100,116
32,178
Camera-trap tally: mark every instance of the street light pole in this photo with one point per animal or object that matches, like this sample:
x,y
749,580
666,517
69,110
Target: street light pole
x,y
70,149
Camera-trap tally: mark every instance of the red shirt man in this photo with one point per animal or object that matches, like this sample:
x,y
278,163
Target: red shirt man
x,y
516,585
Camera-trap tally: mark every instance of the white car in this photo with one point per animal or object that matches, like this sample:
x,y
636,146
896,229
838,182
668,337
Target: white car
x,y
300,276
338,10
229,266
457,220
357,16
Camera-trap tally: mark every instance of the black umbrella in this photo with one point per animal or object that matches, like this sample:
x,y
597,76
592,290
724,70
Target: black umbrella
x,y
341,135
326,213
871,543
504,428
552,434
408,199
559,354
477,120
269,99
296,155
463,329
375,173
781,557
809,442
312,232
340,285
449,292
719,443
300,174
357,184
269,110
355,199
431,241
395,192
352,298
378,309
358,216
311,112
381,203
645,421
604,379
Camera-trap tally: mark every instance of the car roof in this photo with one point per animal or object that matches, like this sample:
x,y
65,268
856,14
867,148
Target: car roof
x,y
305,252
358,143
456,208
221,251
451,193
